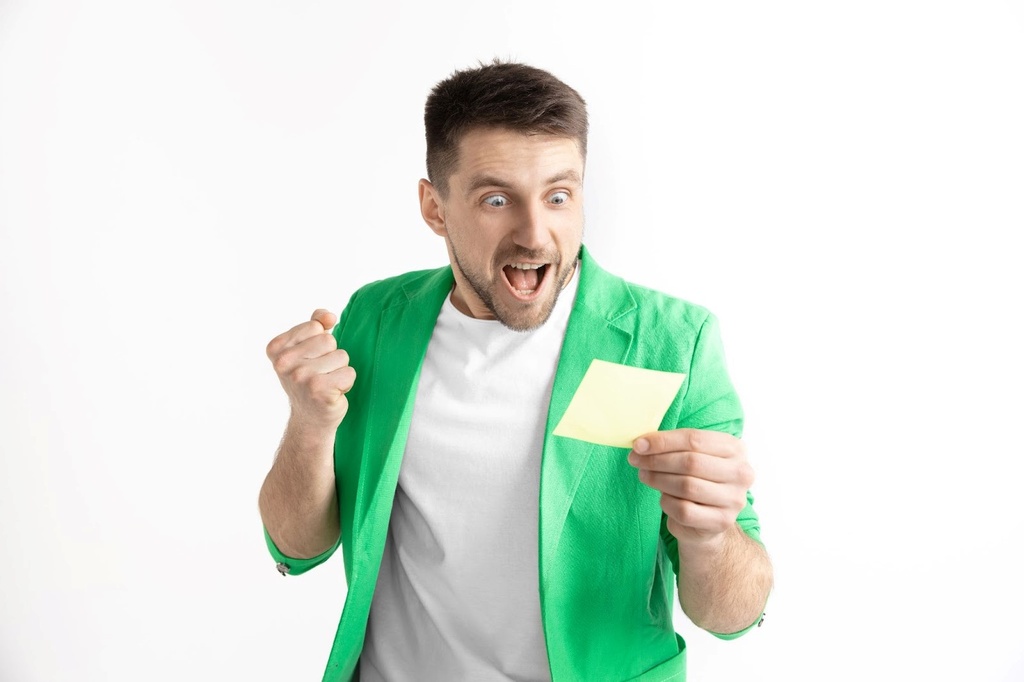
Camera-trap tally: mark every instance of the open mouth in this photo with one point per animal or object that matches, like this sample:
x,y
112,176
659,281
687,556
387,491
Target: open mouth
x,y
525,279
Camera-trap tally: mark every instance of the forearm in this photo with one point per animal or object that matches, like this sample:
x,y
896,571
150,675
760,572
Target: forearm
x,y
724,582
298,501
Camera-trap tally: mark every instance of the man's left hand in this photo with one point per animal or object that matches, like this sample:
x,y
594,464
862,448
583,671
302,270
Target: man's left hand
x,y
703,477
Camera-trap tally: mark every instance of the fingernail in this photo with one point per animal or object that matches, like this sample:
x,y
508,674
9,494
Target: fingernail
x,y
632,459
641,445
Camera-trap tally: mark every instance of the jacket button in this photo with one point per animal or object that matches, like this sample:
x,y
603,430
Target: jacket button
x,y
283,568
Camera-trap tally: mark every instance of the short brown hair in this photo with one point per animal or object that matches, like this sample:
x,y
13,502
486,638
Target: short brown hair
x,y
502,95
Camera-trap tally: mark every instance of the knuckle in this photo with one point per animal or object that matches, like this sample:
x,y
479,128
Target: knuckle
x,y
689,464
746,475
322,389
282,363
680,510
316,346
688,487
685,513
300,375
697,440
346,377
306,330
309,331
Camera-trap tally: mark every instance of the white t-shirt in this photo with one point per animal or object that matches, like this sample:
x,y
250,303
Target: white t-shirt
x,y
457,596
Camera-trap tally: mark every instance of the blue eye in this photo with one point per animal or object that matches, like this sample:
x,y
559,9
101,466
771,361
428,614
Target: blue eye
x,y
559,198
496,200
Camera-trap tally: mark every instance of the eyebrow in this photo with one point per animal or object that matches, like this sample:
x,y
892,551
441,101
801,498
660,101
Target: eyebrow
x,y
480,181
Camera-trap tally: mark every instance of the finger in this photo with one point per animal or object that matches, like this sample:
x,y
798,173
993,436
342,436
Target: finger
x,y
690,488
339,380
317,346
298,355
711,528
343,378
325,317
327,363
326,376
693,440
707,467
696,516
294,336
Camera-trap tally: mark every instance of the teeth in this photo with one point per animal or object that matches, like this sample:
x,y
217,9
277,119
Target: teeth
x,y
526,266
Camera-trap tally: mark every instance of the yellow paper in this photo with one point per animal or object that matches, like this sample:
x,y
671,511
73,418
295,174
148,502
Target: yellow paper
x,y
615,404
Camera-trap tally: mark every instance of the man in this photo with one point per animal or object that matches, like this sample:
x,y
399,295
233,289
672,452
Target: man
x,y
478,545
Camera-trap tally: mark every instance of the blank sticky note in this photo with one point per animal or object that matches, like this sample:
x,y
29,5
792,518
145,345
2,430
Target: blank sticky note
x,y
616,404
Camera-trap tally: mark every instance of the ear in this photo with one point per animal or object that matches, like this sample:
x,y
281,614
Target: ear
x,y
432,208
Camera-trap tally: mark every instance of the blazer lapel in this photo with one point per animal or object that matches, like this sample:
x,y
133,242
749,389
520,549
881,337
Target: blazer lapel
x,y
600,327
404,333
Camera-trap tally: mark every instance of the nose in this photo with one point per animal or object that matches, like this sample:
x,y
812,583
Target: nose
x,y
531,227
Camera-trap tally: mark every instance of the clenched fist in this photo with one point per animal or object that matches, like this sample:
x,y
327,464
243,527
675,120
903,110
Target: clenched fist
x,y
313,371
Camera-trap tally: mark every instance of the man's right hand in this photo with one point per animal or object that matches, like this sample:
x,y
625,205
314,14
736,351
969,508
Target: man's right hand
x,y
313,371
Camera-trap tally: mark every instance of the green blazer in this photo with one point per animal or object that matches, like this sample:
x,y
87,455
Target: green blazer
x,y
608,565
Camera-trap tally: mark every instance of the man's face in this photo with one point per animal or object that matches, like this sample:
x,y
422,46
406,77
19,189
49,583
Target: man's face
x,y
513,222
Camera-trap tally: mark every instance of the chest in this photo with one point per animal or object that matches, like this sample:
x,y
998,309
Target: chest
x,y
480,408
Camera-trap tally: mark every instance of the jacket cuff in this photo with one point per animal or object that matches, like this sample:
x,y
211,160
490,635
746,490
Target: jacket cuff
x,y
287,565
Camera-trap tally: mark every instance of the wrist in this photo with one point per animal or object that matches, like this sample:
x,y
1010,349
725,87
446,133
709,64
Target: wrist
x,y
693,541
308,432
307,443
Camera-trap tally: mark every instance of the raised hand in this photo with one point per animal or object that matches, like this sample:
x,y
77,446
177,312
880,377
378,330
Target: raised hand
x,y
313,371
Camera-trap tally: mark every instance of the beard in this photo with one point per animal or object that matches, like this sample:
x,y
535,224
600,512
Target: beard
x,y
519,316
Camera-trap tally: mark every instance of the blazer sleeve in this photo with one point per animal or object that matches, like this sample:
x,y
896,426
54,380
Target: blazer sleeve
x,y
711,403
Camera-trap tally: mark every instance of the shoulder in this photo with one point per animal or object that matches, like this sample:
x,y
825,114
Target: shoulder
x,y
401,289
665,309
649,308
361,316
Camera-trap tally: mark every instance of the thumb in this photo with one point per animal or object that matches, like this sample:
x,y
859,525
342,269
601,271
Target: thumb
x,y
326,318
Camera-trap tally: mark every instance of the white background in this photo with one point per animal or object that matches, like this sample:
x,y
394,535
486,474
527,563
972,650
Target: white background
x,y
841,183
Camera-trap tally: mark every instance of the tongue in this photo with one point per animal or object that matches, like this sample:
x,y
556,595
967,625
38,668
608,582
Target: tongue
x,y
524,280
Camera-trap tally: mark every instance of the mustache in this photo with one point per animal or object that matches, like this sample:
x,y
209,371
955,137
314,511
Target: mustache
x,y
521,254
